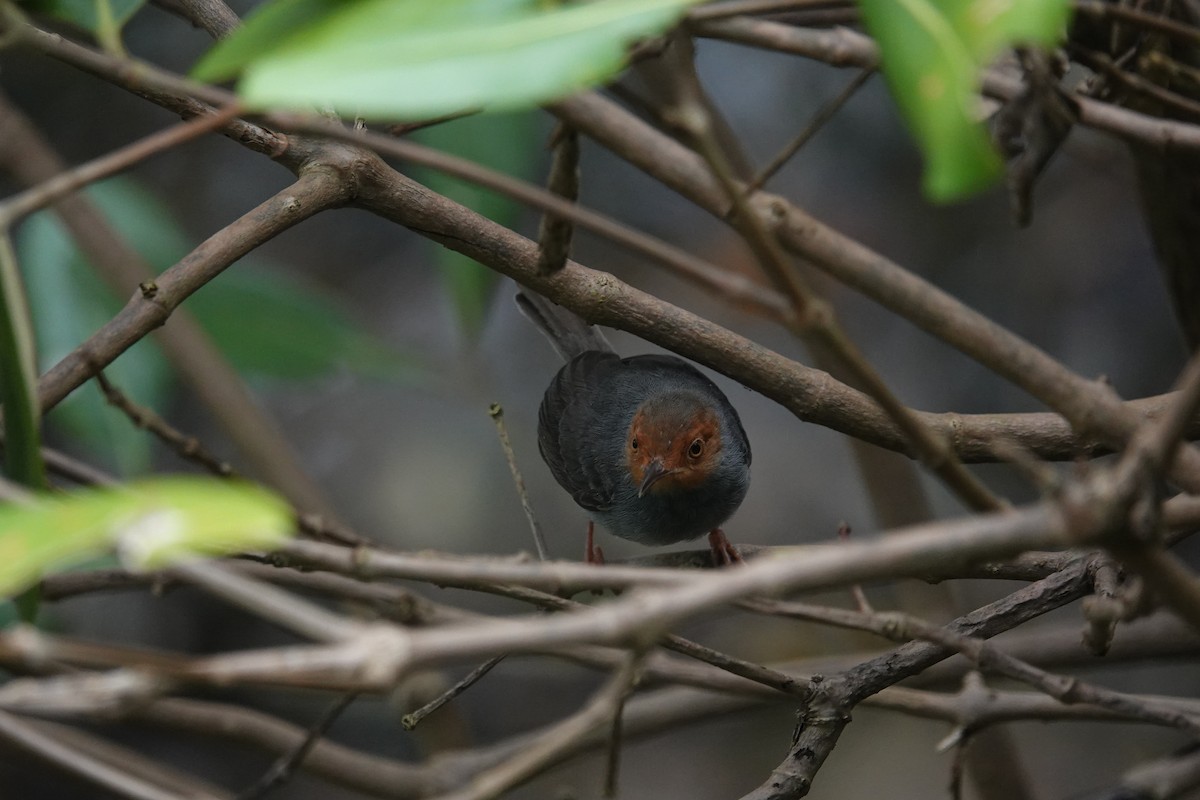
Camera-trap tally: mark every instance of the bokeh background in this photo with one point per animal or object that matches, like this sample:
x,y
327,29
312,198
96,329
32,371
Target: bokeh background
x,y
412,459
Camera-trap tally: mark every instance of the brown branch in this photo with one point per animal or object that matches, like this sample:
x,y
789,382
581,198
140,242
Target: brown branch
x,y
189,350
35,741
212,16
319,188
1065,690
185,97
1100,62
1144,463
329,760
811,395
555,233
65,183
1161,24
562,737
814,319
826,714
285,767
1093,408
187,447
825,113
1172,776
842,47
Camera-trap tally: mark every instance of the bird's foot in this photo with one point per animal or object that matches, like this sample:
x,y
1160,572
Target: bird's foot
x,y
723,552
593,555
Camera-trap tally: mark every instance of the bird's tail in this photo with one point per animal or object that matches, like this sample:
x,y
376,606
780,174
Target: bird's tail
x,y
565,329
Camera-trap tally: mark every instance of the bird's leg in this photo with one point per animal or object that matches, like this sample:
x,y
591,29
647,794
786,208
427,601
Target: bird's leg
x,y
594,554
723,551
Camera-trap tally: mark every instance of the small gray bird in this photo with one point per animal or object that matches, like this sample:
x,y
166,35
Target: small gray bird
x,y
648,445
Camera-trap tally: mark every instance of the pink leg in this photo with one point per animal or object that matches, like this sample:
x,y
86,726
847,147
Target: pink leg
x,y
594,555
723,551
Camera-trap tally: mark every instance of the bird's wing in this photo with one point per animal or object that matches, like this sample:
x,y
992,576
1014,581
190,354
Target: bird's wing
x,y
567,429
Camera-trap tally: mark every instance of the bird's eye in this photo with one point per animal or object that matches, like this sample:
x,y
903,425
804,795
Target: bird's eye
x,y
696,449
633,444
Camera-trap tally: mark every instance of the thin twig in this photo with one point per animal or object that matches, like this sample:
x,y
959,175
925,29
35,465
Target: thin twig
x,y
612,767
311,193
21,734
188,447
268,601
601,709
1066,690
414,718
856,589
1131,80
1046,435
20,205
1094,408
496,412
1144,463
1160,23
814,318
823,115
284,767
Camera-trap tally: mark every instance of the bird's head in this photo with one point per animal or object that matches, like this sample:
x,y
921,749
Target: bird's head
x,y
674,442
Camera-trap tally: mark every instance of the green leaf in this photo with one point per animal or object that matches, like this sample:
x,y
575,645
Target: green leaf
x,y
91,15
422,58
272,325
508,143
69,303
18,379
932,53
266,29
152,524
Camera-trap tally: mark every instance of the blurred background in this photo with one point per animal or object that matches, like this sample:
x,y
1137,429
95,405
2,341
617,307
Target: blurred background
x,y
391,418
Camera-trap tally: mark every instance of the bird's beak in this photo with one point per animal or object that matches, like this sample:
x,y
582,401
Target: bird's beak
x,y
655,472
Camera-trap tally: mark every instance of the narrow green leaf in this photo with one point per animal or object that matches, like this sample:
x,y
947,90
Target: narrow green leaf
x,y
69,303
988,26
151,524
509,143
423,58
272,325
932,53
18,378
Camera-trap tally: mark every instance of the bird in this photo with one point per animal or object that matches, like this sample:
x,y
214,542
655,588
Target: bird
x,y
648,445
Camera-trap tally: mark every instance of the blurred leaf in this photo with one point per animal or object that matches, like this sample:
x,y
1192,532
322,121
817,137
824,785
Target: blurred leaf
x,y
271,326
18,377
151,523
69,303
266,29
423,58
932,53
276,327
508,143
470,285
87,14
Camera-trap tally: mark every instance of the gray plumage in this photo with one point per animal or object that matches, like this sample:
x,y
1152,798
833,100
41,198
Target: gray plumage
x,y
584,425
